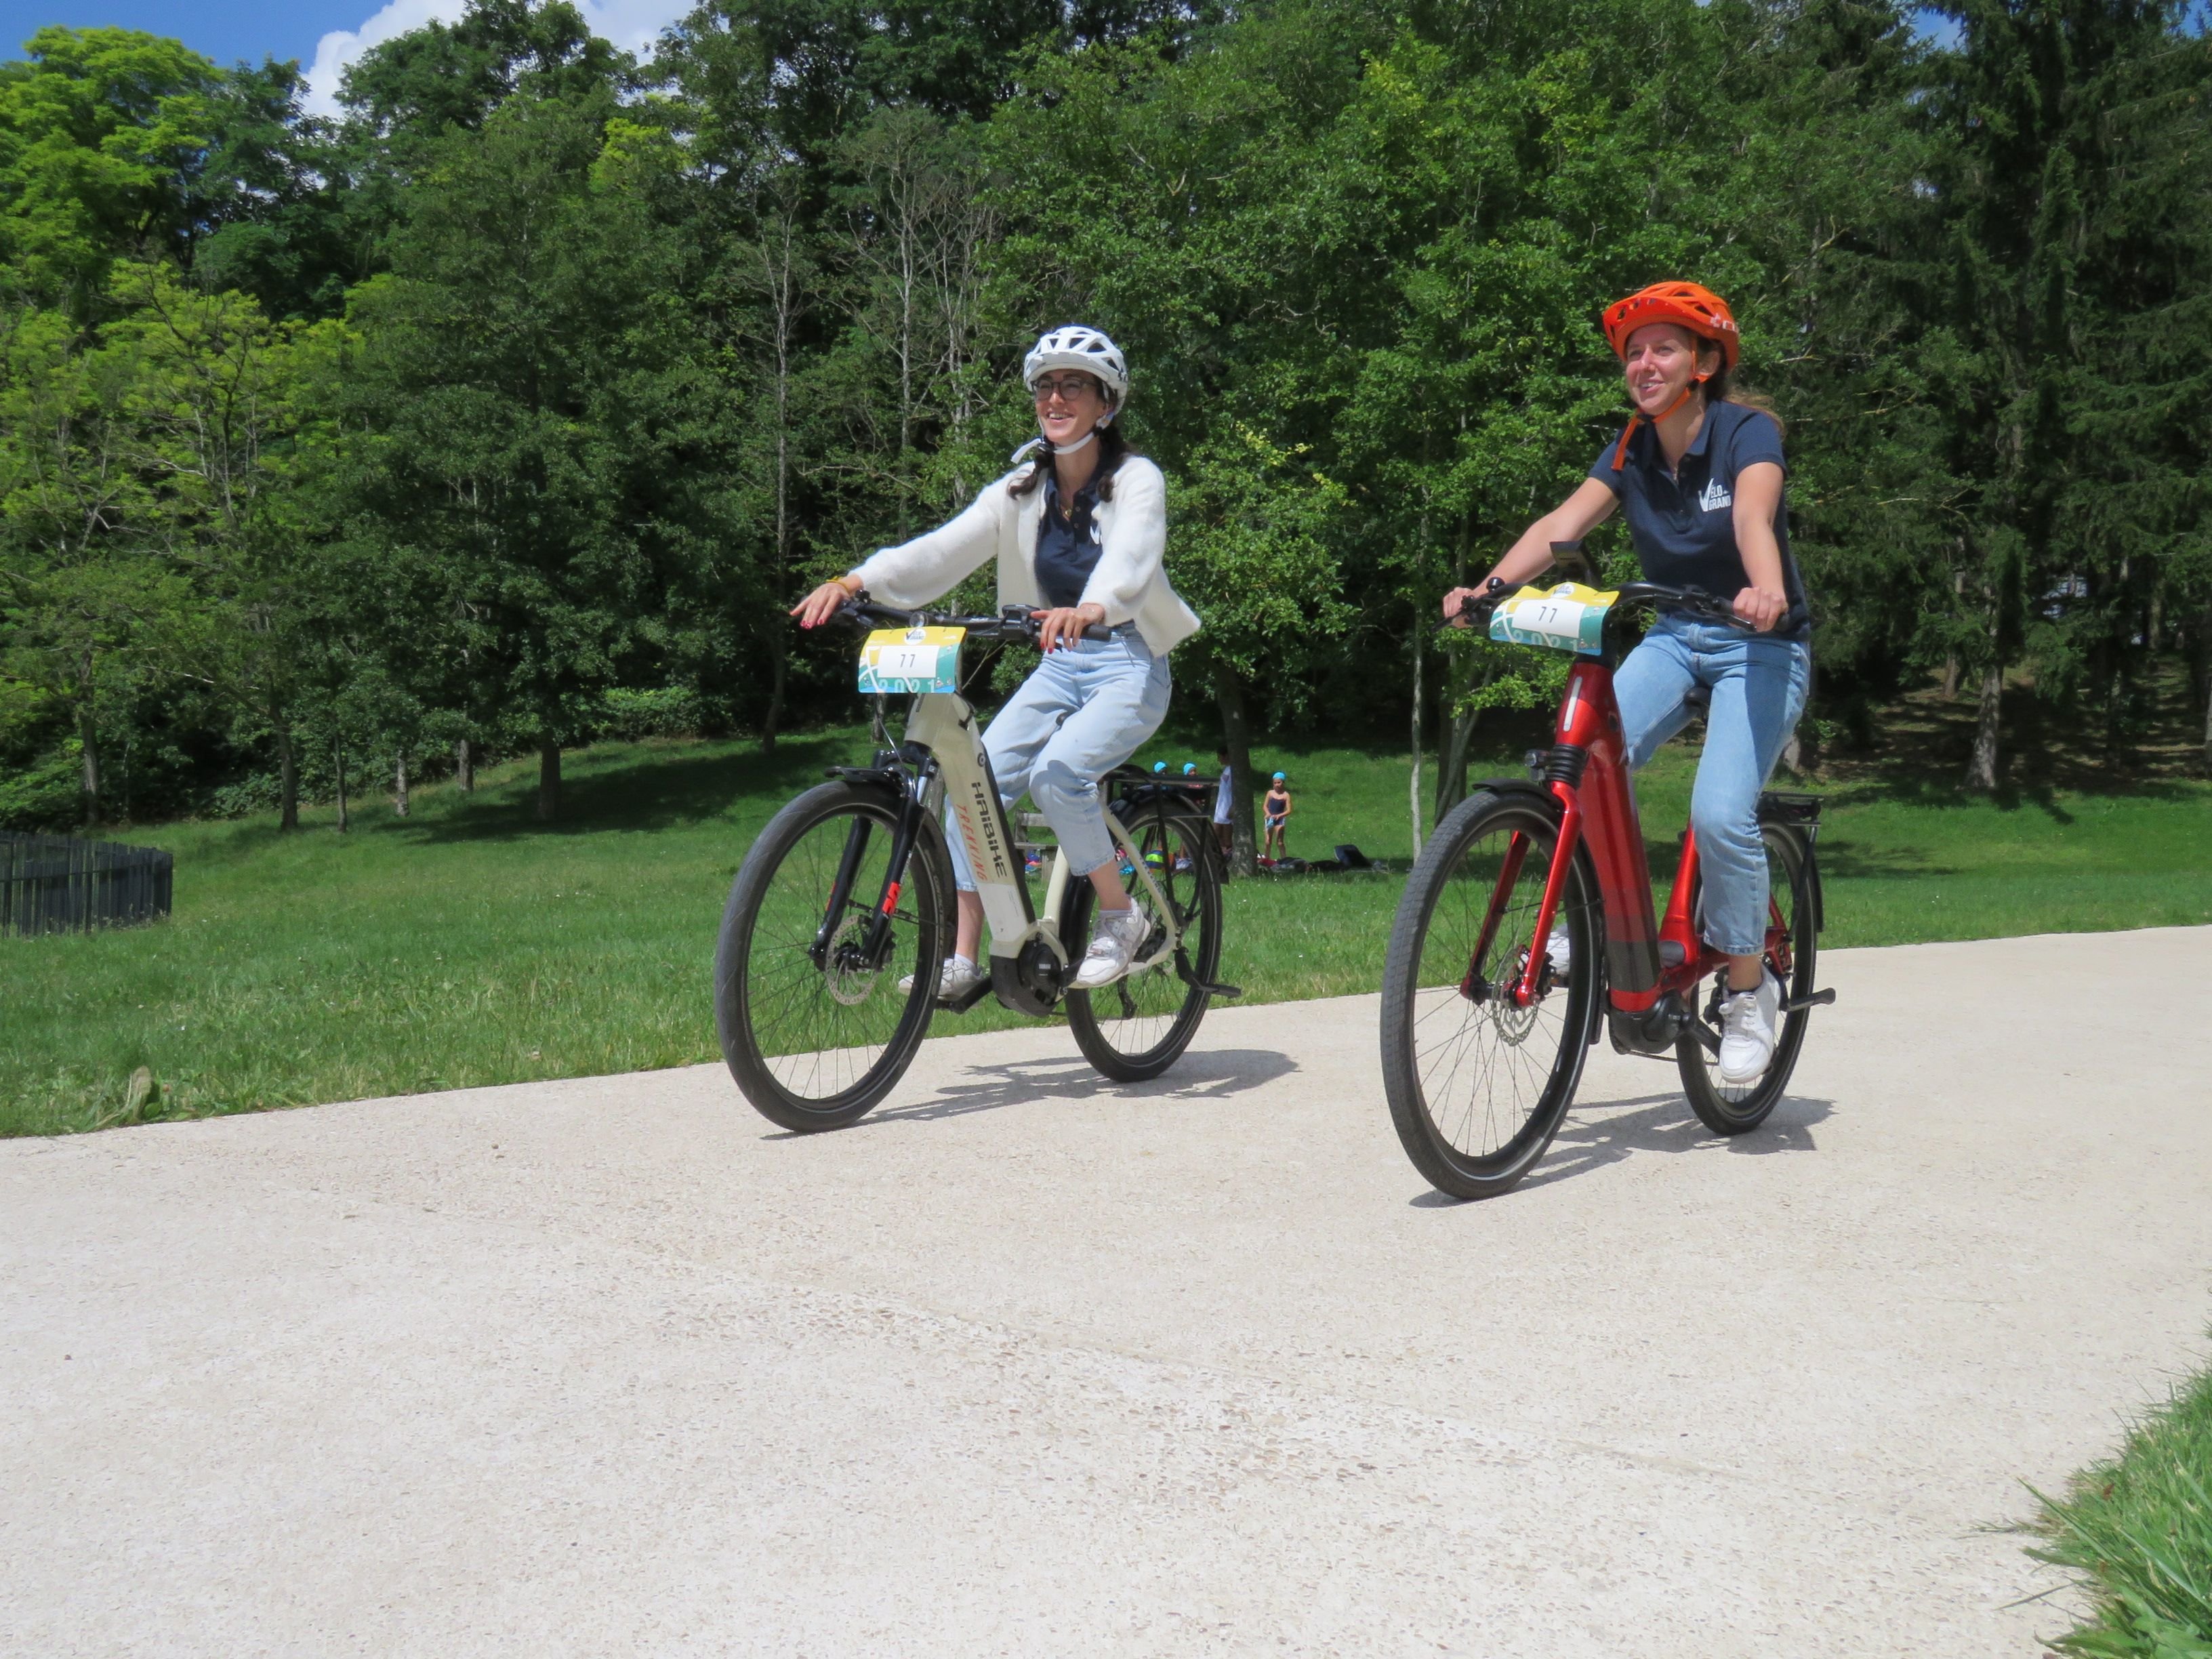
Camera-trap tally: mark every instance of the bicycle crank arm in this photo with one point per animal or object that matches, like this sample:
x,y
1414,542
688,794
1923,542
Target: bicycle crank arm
x,y
1817,999
1184,972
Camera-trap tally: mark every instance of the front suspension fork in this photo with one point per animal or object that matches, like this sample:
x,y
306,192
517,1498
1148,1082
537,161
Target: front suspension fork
x,y
1526,991
1555,882
875,940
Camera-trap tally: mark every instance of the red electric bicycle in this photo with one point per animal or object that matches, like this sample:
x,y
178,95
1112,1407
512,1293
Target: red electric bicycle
x,y
1531,911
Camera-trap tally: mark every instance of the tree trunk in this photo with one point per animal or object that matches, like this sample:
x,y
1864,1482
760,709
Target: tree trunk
x,y
465,766
1237,737
1458,728
288,779
1951,662
399,786
338,750
1413,782
549,781
779,678
1982,769
1451,767
88,733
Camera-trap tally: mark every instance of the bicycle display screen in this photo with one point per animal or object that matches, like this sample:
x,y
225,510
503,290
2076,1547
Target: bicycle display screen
x,y
900,660
1568,617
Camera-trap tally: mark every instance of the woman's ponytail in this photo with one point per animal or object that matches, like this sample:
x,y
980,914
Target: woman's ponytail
x,y
1718,390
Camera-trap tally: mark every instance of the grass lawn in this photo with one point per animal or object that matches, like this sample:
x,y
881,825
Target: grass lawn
x,y
467,945
2139,1531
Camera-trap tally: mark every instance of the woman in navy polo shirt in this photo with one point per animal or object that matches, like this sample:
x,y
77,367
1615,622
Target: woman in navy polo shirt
x,y
1700,479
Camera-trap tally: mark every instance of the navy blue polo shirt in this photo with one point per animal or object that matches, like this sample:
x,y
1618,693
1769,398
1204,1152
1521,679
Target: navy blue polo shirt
x,y
1683,525
1067,546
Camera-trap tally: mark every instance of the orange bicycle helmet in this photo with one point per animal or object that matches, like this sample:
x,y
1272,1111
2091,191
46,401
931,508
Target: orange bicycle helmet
x,y
1700,310
1690,306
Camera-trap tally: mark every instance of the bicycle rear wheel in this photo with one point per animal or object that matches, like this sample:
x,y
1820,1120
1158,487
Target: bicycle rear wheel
x,y
1478,1086
1731,1108
1136,1028
814,1029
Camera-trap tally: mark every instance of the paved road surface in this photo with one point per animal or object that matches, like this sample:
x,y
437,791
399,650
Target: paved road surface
x,y
1029,1364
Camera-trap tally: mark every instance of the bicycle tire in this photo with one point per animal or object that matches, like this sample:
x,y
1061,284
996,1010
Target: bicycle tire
x,y
1436,926
1149,1018
1735,1109
772,998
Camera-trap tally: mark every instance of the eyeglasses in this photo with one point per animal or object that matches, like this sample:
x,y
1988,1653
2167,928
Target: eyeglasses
x,y
1068,388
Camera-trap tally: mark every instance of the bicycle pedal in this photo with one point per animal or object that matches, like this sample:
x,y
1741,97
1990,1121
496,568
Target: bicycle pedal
x,y
969,998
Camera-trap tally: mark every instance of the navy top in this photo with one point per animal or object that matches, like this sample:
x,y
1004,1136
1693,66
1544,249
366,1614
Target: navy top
x,y
1683,525
1067,541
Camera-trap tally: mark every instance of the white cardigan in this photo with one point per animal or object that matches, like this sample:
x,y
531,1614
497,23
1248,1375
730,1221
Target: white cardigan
x,y
1129,583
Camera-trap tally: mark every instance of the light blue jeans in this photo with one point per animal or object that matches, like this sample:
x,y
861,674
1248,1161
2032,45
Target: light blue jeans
x,y
1758,685
1084,710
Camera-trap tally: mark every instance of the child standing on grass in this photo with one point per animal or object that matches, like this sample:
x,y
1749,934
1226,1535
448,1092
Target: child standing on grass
x,y
1278,809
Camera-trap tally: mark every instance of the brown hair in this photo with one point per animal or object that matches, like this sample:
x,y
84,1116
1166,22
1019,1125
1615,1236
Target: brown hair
x,y
1719,389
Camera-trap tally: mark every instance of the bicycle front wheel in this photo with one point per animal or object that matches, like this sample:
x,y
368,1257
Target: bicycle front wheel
x,y
1136,1028
1478,1085
815,1025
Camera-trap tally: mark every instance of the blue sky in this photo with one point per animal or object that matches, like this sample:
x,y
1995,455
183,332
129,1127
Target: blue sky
x,y
226,30
322,34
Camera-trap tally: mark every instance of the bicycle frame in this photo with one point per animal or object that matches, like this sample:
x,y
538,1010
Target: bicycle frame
x,y
1648,959
946,765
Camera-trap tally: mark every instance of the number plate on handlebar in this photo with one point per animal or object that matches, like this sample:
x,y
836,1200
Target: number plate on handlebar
x,y
897,660
1568,617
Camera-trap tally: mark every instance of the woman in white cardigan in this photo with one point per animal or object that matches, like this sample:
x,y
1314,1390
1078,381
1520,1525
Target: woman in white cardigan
x,y
1078,538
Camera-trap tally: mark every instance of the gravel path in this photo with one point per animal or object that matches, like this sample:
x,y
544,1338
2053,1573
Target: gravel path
x,y
1027,1364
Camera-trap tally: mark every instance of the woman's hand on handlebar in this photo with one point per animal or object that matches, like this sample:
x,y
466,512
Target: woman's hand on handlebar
x,y
1454,617
1460,603
1760,608
1065,626
823,603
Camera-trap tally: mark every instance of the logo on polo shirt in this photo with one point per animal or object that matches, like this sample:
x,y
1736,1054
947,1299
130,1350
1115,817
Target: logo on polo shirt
x,y
1716,496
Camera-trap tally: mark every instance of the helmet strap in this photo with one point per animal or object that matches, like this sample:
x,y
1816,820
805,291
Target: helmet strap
x,y
1620,449
1034,444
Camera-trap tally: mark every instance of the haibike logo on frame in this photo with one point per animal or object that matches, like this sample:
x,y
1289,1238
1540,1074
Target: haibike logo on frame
x,y
979,814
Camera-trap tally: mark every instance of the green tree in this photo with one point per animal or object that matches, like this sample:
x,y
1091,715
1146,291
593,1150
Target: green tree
x,y
523,379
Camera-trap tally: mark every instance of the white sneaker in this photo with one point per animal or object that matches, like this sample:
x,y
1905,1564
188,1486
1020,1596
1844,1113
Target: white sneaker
x,y
1748,1031
1120,934
958,976
1559,951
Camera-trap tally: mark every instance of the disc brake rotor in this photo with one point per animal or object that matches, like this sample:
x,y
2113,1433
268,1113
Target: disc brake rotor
x,y
846,970
1513,1022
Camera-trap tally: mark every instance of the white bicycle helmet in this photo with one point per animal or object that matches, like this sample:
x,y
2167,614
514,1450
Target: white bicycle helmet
x,y
1073,346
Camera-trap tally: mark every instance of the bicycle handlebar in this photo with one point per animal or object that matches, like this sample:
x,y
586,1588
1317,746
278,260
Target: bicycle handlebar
x,y
1014,623
1477,607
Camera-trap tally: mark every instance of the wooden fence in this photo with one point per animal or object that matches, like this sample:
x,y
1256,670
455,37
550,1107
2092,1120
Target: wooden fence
x,y
56,884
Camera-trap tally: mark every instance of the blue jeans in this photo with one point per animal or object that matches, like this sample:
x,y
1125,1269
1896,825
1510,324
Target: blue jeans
x,y
1758,685
1084,710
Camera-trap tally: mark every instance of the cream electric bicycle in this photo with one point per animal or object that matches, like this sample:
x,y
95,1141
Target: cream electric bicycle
x,y
836,930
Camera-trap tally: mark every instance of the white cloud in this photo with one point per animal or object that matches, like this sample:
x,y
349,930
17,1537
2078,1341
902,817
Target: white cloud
x,y
634,25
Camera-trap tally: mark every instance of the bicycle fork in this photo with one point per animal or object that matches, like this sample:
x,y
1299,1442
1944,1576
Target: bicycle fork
x,y
1527,987
874,944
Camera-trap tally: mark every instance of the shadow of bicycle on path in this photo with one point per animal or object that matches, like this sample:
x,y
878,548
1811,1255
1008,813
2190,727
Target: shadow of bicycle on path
x,y
1215,1074
1599,1132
